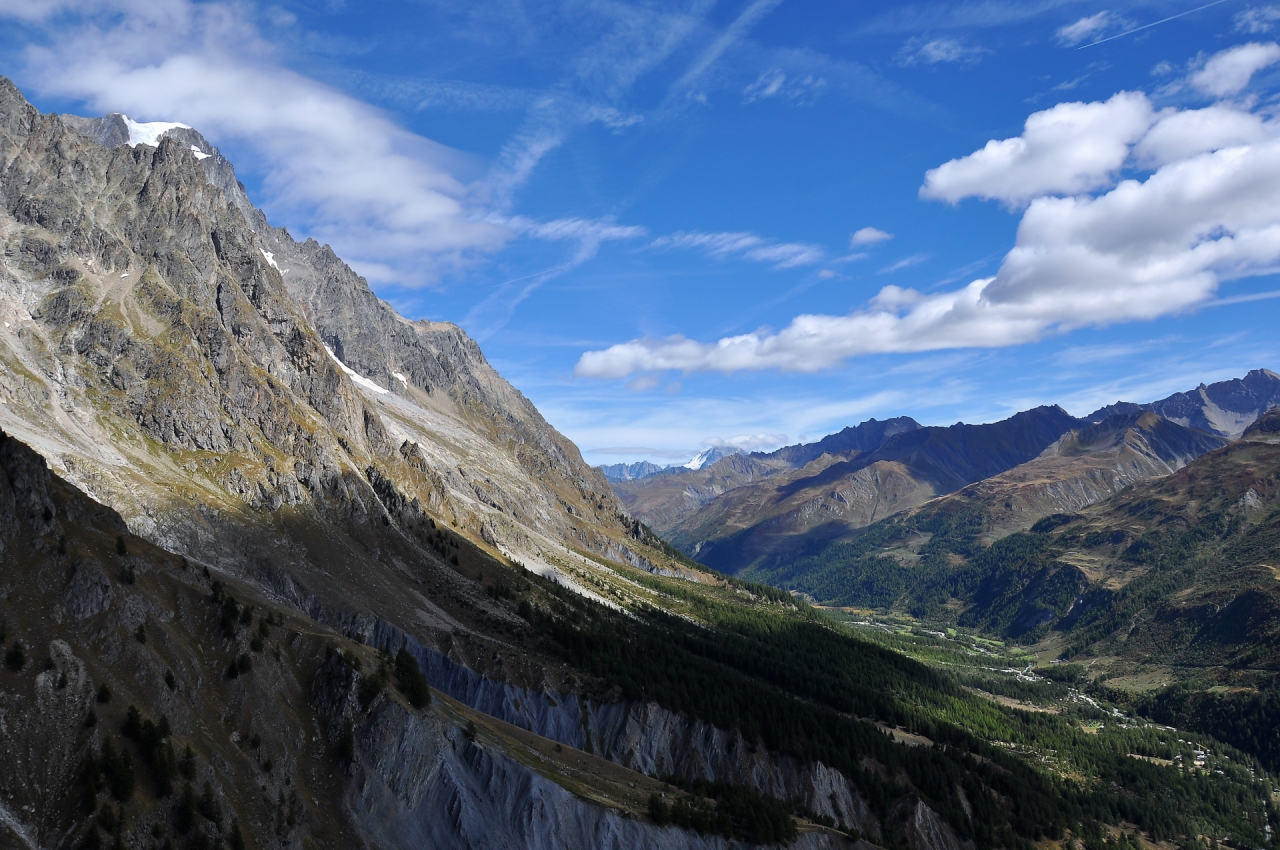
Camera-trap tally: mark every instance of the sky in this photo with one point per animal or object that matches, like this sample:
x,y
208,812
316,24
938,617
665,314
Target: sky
x,y
674,225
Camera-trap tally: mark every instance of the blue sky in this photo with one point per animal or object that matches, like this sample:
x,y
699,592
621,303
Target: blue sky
x,y
673,225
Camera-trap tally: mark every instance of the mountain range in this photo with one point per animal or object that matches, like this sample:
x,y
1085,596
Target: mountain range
x,y
740,514
280,567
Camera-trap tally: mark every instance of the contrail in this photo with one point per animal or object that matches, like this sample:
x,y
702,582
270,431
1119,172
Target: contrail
x,y
1149,26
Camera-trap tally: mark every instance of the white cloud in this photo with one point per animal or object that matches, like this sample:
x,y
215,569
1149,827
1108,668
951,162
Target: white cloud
x,y
1070,148
868,236
922,51
783,255
1086,28
799,89
748,442
905,262
1257,20
1178,135
1137,250
1228,72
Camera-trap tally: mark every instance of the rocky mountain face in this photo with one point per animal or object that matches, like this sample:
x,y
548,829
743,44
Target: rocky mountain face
x,y
663,503
1226,408
800,498
778,517
619,472
1087,465
866,437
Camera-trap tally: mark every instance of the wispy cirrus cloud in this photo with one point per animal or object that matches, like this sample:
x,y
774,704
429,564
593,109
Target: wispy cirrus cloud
x,y
922,50
1091,27
1257,20
748,246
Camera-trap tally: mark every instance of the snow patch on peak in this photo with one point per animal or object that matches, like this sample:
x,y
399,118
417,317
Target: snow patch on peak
x,y
199,154
706,457
150,133
356,377
401,378
271,260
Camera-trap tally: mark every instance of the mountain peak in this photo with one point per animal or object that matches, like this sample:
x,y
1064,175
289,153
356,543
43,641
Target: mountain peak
x,y
706,457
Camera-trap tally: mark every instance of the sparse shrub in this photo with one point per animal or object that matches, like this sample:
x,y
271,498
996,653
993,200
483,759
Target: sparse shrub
x,y
117,769
237,838
230,614
255,643
170,681
184,815
121,549
412,682
91,719
347,742
128,575
471,730
92,838
264,628
371,686
90,780
62,681
104,693
233,672
187,764
246,615
141,633
107,820
16,658
209,806
132,726
255,740
244,663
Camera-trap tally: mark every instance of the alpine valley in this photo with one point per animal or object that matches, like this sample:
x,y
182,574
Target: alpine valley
x,y
279,567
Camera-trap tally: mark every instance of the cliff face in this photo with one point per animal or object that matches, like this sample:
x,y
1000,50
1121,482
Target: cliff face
x,y
205,374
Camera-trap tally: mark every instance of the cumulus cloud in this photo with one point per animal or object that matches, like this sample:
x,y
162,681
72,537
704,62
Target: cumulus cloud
x,y
1104,253
782,255
1228,72
1070,148
868,236
923,51
1179,135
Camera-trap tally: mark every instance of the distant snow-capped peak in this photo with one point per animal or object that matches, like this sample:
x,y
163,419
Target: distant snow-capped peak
x,y
706,457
